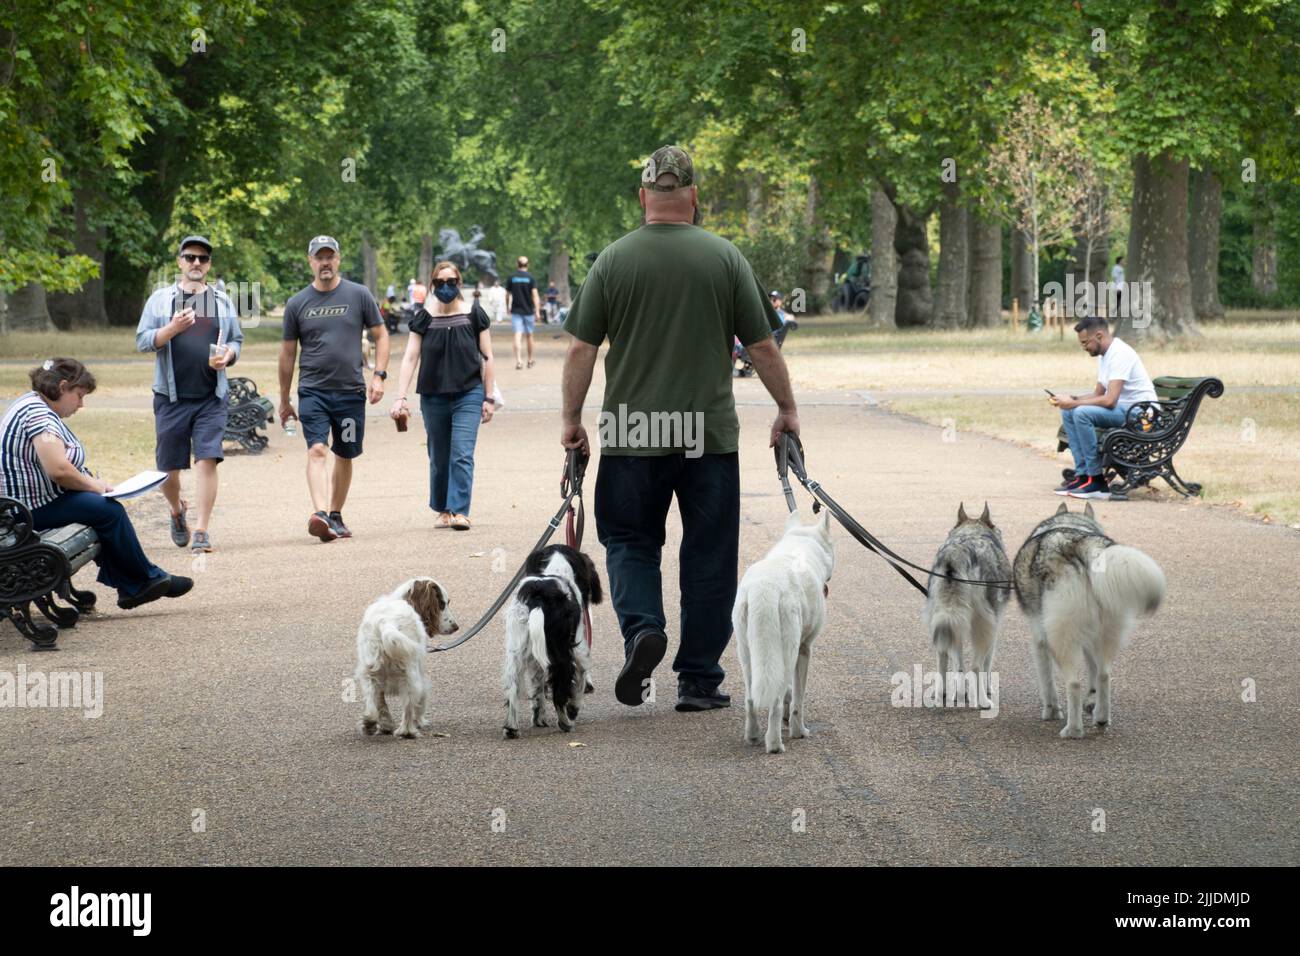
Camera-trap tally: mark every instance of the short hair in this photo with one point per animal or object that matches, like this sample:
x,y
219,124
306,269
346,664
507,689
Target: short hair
x,y
47,376
1088,323
521,261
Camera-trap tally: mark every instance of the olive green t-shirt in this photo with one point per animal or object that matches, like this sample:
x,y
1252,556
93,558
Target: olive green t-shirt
x,y
671,299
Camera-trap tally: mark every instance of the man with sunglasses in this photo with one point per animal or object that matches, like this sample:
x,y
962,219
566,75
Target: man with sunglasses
x,y
193,329
329,318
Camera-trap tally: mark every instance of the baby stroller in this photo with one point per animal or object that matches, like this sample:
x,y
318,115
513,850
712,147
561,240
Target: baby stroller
x,y
740,354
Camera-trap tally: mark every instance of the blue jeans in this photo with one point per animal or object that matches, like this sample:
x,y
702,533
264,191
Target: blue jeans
x,y
451,427
633,495
122,562
1080,426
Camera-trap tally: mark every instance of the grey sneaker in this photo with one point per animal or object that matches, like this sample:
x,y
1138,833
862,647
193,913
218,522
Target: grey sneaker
x,y
201,542
180,530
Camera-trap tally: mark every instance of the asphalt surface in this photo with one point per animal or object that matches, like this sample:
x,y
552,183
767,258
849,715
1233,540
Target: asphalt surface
x,y
229,734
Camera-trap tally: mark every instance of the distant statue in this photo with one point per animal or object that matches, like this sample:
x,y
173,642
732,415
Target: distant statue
x,y
465,253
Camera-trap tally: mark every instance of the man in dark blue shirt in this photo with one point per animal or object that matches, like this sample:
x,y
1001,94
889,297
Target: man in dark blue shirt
x,y
525,308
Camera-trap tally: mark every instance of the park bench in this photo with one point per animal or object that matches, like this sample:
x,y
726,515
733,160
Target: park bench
x,y
1143,447
34,568
249,412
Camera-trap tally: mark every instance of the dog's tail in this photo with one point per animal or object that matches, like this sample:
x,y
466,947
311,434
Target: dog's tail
x,y
773,632
1126,581
537,636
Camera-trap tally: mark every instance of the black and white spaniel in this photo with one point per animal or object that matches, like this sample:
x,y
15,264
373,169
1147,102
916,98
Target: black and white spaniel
x,y
546,643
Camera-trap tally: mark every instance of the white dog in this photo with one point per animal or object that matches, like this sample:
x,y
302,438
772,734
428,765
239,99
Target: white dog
x,y
391,644
780,609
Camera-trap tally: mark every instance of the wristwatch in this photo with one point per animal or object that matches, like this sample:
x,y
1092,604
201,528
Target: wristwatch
x,y
382,376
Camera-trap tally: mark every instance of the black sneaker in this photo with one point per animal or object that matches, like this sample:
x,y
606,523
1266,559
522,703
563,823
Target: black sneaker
x,y
692,697
336,522
179,585
155,589
647,650
1065,487
1094,487
319,525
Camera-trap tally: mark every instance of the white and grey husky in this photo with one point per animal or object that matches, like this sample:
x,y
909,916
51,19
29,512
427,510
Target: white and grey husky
x,y
1081,593
955,612
779,611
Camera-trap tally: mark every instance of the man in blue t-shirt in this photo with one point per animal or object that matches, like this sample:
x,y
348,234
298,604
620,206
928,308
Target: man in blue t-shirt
x,y
525,308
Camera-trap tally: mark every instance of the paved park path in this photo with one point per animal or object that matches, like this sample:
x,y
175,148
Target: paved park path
x,y
225,712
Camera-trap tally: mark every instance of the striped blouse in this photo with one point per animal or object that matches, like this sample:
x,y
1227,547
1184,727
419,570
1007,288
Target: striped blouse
x,y
21,474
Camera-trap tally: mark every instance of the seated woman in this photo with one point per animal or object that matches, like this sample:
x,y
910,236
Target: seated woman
x,y
43,466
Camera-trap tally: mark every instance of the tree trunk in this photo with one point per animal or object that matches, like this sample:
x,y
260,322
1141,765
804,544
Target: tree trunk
x,y
425,267
1088,260
369,266
915,304
984,303
1022,261
821,251
1263,272
559,271
884,262
1161,305
86,306
28,311
1205,205
954,260
755,205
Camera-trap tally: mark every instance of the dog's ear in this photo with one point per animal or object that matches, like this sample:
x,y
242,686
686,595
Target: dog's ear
x,y
792,521
426,598
824,524
986,518
1062,510
1087,510
595,595
961,513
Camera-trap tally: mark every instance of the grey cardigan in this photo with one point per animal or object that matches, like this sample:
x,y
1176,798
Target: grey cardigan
x,y
157,313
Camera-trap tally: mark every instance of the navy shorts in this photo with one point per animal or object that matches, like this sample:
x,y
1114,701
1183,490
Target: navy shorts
x,y
200,422
325,412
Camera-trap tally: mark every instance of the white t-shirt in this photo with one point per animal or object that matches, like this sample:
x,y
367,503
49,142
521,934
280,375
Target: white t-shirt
x,y
1117,275
493,300
1121,362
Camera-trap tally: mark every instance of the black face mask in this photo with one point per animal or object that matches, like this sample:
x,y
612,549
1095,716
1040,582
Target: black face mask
x,y
446,292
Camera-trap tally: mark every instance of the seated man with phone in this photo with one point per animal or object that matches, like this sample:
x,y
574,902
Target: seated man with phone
x,y
1122,381
194,331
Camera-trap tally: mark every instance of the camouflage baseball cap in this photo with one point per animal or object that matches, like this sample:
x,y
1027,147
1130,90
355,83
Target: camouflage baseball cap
x,y
668,159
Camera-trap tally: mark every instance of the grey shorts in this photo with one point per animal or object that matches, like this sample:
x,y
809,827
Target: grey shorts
x,y
200,422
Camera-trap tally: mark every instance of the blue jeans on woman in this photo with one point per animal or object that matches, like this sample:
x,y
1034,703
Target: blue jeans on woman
x,y
451,427
122,562
1081,424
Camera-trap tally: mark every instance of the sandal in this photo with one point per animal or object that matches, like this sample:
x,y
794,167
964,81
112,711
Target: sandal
x,y
443,520
460,523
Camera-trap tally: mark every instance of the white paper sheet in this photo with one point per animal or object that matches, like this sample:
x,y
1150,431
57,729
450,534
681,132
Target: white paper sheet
x,y
137,485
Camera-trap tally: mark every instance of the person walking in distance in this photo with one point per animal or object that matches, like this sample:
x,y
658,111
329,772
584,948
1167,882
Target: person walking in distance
x,y
328,317
193,329
525,309
669,297
451,345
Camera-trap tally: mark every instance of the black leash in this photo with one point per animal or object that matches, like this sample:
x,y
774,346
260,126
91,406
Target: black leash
x,y
789,457
575,467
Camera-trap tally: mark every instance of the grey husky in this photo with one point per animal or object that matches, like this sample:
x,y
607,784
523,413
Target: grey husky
x,y
1081,593
955,612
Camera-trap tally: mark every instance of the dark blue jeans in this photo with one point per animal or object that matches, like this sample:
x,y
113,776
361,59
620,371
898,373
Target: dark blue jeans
x,y
451,429
122,562
633,495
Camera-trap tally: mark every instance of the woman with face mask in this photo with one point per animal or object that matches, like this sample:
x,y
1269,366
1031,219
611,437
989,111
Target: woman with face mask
x,y
451,345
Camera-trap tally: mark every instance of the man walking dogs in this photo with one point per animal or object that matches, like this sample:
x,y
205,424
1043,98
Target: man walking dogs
x,y
669,297
329,317
194,329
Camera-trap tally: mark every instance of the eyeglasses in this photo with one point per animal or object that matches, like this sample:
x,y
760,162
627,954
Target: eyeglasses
x,y
192,257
